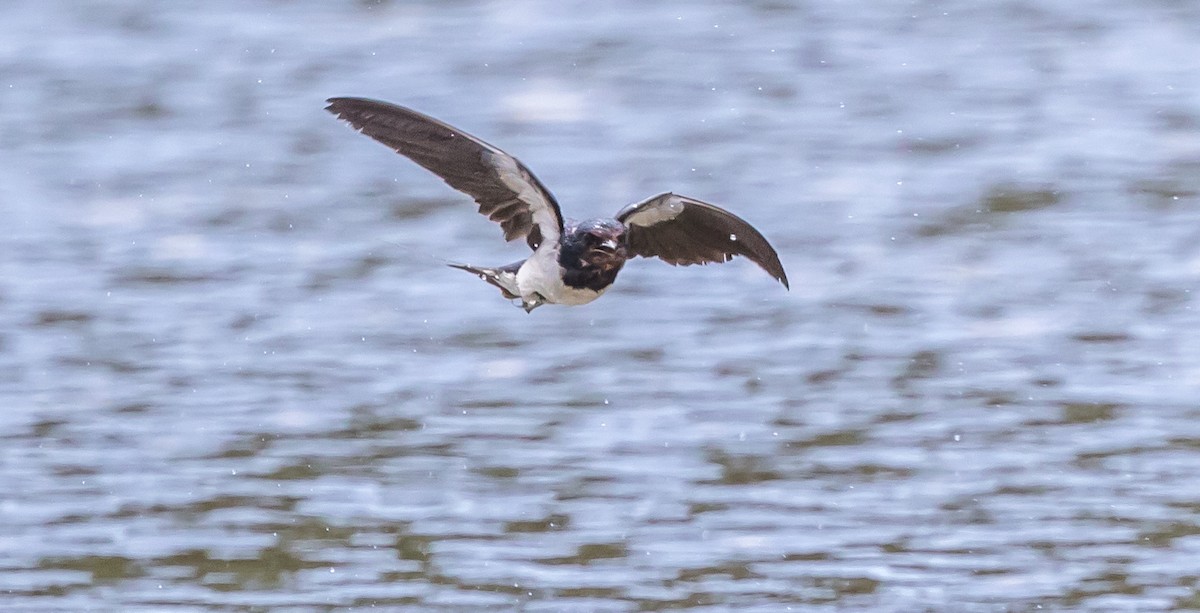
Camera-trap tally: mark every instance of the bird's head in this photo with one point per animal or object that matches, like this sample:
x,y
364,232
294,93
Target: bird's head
x,y
601,243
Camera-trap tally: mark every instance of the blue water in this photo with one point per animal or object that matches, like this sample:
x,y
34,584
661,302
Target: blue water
x,y
237,376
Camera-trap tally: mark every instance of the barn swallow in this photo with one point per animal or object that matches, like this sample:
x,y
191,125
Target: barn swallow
x,y
573,262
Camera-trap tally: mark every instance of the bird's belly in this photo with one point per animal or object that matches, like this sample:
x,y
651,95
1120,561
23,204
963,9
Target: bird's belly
x,y
572,296
542,275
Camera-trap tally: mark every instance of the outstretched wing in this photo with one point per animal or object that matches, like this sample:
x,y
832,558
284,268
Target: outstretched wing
x,y
682,230
506,191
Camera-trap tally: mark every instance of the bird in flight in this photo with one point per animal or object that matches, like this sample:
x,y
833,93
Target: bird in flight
x,y
573,262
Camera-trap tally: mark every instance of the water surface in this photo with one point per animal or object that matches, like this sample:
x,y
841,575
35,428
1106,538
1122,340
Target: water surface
x,y
238,377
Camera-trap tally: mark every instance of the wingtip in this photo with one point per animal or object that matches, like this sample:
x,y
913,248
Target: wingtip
x,y
337,101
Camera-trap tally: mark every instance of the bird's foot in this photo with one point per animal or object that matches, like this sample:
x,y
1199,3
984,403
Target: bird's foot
x,y
533,302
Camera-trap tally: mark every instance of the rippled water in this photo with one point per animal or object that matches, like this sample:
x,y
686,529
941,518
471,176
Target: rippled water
x,y
236,375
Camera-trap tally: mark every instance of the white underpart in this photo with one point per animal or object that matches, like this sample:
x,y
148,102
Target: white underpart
x,y
540,208
668,209
542,275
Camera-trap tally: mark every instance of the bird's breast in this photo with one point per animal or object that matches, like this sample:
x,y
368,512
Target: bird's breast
x,y
541,274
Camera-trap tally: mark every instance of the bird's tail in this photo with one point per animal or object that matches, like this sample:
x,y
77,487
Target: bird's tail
x,y
504,277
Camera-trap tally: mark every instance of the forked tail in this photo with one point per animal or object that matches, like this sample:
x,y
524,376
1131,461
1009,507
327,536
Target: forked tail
x,y
504,277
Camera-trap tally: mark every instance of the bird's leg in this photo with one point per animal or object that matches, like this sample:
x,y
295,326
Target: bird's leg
x,y
533,302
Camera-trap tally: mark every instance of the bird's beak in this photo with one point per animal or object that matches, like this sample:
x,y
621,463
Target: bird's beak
x,y
608,255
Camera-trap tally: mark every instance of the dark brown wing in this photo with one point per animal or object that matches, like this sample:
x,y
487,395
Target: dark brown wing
x,y
682,230
506,191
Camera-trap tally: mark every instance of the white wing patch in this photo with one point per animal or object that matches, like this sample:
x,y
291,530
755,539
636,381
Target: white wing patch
x,y
665,211
539,208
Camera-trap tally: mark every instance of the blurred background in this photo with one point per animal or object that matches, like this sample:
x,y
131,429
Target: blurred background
x,y
235,374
